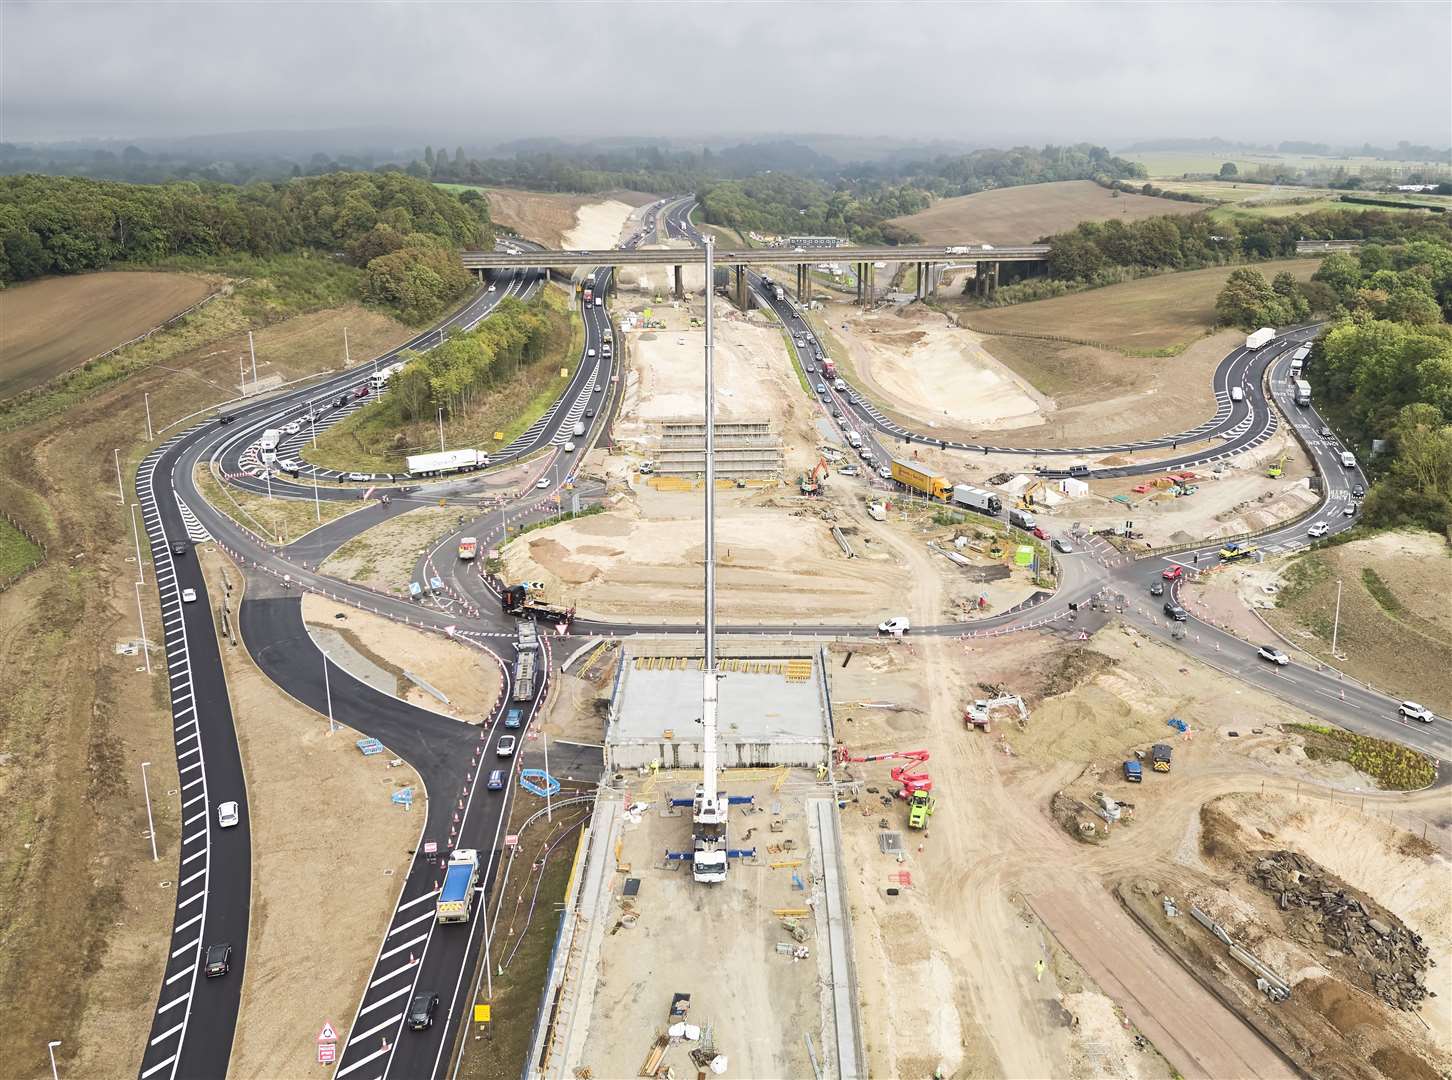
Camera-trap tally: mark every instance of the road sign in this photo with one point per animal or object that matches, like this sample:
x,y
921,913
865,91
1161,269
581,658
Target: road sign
x,y
431,847
327,1053
328,1034
481,1014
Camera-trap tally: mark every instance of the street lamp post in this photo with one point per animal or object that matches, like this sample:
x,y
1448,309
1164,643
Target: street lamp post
x,y
253,350
347,356
149,436
141,622
441,430
120,480
136,536
150,824
313,422
50,1048
328,693
1336,623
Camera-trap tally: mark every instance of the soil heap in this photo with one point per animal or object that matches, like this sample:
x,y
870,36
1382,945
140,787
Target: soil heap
x,y
1320,907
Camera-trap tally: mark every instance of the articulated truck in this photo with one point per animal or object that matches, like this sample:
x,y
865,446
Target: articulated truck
x,y
516,600
1303,392
1260,338
935,487
456,897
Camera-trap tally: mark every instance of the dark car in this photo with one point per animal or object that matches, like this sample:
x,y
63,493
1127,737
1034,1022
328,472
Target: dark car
x,y
226,418
421,1010
1357,491
1157,588
589,412
513,718
178,548
219,960
340,401
1175,611
1325,432
496,780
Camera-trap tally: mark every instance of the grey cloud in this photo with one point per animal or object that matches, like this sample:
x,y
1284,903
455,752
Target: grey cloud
x,y
982,73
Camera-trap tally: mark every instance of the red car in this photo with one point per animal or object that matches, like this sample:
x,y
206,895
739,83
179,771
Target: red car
x,y
1173,573
1041,532
362,391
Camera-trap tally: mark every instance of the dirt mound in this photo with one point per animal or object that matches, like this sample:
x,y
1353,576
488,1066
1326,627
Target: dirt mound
x,y
1077,667
1383,955
1404,1066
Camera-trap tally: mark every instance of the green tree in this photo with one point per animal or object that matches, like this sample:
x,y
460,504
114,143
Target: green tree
x,y
1228,170
1342,272
1289,290
1248,301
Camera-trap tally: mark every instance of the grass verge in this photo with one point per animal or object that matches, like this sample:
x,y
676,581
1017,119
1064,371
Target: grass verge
x,y
278,520
497,1050
17,553
1393,767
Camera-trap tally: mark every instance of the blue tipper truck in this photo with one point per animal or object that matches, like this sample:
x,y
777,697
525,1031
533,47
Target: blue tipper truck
x,y
456,897
1133,772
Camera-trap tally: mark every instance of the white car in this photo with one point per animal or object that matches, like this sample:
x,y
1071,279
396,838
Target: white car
x,y
491,288
1318,529
292,428
1412,711
898,624
189,596
884,472
359,476
505,746
544,482
227,815
1274,655
569,448
590,353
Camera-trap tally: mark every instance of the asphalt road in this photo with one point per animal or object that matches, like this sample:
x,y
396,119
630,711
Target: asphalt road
x,y
272,626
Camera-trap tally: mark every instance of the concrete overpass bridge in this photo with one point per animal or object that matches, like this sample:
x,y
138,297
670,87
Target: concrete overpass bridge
x,y
931,259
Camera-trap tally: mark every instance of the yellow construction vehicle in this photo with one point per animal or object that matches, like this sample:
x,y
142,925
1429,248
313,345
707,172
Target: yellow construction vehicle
x,y
1026,500
1276,467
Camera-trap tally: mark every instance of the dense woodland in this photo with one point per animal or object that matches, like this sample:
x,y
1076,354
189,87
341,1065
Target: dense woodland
x,y
405,231
1383,370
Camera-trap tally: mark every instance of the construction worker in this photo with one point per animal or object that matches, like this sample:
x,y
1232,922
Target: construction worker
x,y
1039,970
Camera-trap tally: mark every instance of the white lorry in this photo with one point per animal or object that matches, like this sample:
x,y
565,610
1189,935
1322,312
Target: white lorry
x,y
1303,392
267,445
1262,337
445,461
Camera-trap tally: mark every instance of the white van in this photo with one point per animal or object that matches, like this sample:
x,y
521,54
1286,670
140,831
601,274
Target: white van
x,y
579,430
1348,459
1237,394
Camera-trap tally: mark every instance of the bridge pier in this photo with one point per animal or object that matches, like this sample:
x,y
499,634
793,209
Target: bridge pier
x,y
987,278
860,274
743,294
680,276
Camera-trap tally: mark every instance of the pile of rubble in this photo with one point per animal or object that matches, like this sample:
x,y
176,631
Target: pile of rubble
x,y
1320,907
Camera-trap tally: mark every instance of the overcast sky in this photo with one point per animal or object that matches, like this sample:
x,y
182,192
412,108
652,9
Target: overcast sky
x,y
983,73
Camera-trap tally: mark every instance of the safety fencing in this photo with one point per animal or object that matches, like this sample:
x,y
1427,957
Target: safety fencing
x,y
35,540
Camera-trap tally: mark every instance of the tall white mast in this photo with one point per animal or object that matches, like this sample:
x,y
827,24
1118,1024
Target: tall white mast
x,y
709,811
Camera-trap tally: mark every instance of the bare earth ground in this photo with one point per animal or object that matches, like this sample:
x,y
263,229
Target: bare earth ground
x,y
993,856
917,363
50,326
1163,312
383,558
462,673
84,934
1023,215
547,217
933,376
1410,648
776,553
305,789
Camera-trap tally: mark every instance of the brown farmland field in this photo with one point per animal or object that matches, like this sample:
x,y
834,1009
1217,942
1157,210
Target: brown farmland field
x,y
50,326
1163,313
1021,215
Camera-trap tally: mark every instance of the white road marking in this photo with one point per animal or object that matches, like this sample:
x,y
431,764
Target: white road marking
x,y
174,1002
411,922
168,1033
158,1067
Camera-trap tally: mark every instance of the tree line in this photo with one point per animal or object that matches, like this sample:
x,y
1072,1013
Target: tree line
x,y
457,374
1383,371
1094,252
405,231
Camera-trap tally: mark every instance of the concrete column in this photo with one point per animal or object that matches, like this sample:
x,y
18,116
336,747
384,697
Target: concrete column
x,y
859,274
681,282
743,294
996,266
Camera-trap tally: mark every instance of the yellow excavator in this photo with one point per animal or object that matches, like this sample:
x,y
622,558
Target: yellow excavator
x,y
1276,467
1026,499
